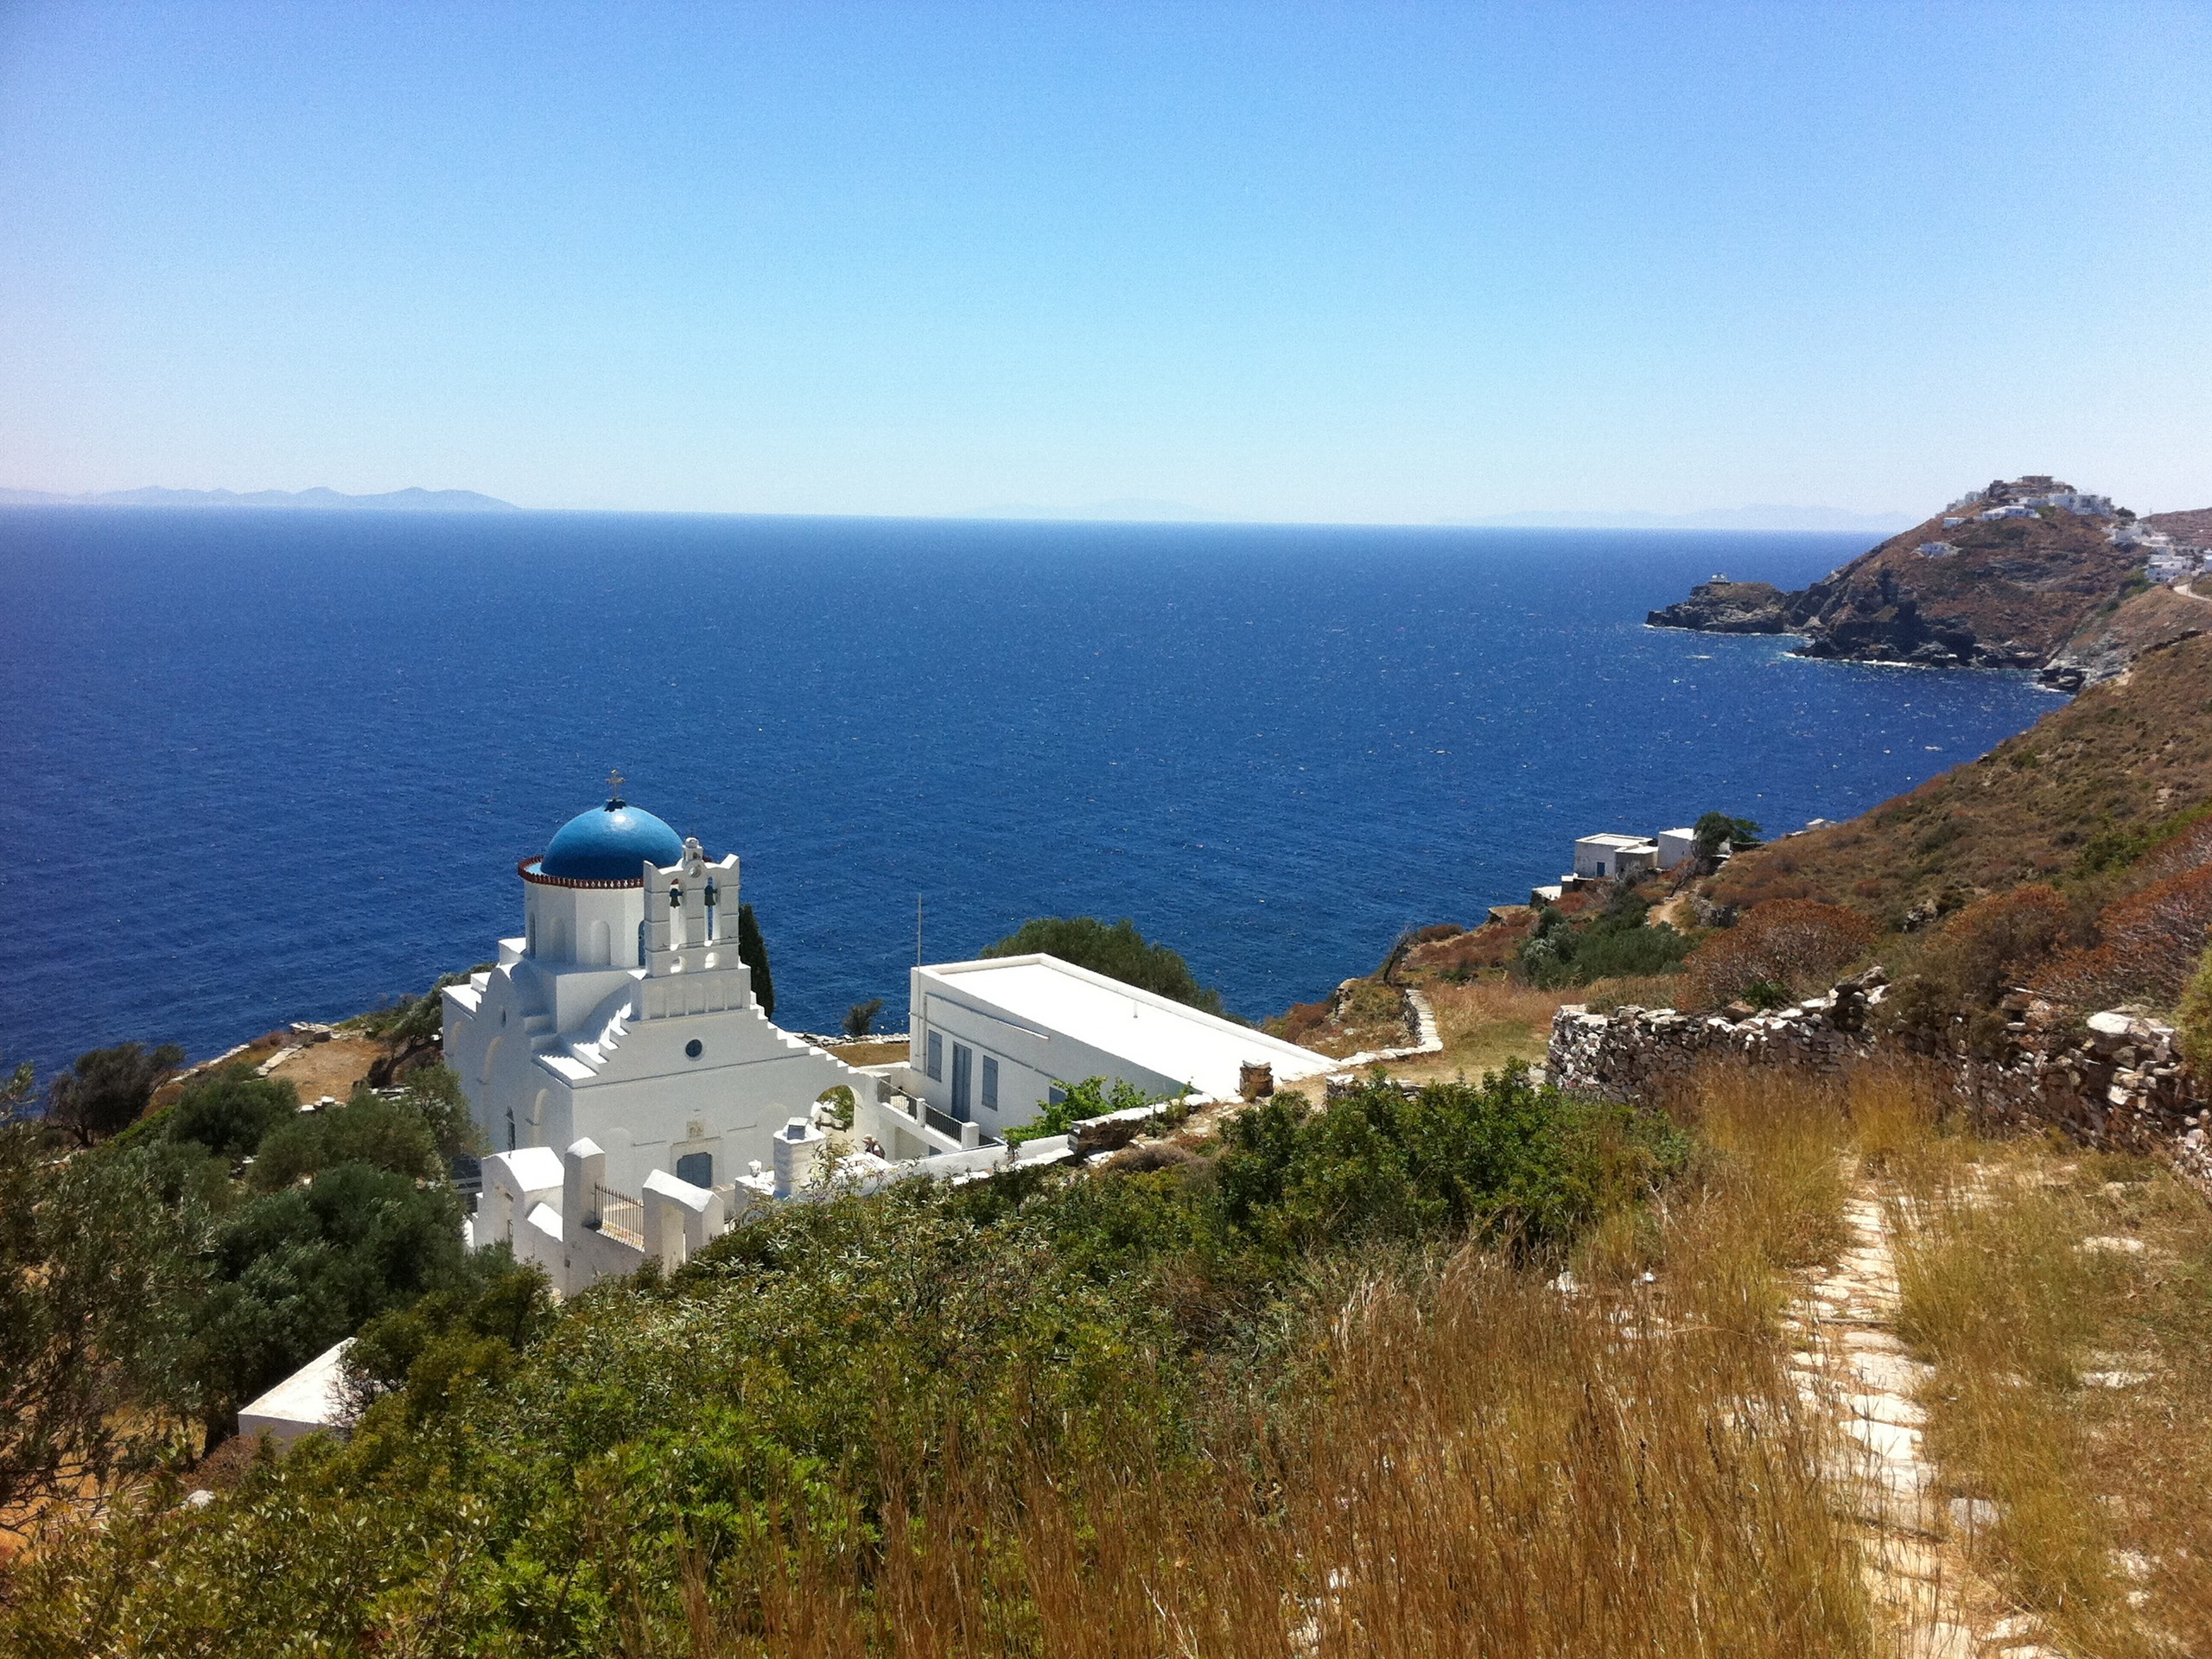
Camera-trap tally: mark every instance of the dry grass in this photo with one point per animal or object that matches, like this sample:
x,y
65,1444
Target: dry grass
x,y
1468,1457
1484,1024
2101,1495
1635,990
1488,1468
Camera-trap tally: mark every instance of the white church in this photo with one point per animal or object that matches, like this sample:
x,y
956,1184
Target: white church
x,y
622,1015
637,1100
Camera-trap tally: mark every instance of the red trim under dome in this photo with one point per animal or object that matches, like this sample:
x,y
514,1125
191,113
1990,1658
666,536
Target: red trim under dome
x,y
524,869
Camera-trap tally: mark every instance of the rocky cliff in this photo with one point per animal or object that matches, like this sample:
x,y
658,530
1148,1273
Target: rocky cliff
x,y
1959,590
1724,607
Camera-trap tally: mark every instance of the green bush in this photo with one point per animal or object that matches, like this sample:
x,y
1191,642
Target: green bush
x,y
1119,952
1080,1101
387,1134
1614,944
229,1111
548,1480
295,1270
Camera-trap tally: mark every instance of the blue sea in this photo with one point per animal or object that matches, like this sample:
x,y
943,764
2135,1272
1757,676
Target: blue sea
x,y
264,767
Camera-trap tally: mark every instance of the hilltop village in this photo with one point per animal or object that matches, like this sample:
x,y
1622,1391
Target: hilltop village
x,y
2025,574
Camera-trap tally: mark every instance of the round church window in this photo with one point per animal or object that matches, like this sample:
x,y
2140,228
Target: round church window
x,y
694,1048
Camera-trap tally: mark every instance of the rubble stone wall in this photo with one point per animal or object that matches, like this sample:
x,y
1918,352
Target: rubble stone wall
x,y
2118,1084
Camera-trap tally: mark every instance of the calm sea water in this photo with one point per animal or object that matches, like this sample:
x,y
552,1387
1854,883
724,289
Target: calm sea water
x,y
269,767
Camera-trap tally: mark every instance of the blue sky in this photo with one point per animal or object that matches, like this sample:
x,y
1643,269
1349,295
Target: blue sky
x,y
1377,263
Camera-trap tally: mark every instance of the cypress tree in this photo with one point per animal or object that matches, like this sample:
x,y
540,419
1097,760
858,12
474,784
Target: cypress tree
x,y
752,950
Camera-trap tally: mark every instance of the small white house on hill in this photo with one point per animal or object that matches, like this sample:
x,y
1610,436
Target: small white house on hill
x,y
1598,858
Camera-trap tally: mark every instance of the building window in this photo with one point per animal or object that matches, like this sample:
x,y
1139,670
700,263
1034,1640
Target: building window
x,y
511,1128
1055,1095
936,1067
991,1084
963,1073
697,1167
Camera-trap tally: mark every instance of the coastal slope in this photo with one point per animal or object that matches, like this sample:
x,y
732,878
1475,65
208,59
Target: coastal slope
x,y
2084,789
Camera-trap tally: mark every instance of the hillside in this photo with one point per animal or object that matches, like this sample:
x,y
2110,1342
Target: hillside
x,y
1957,590
2084,783
2113,634
2194,526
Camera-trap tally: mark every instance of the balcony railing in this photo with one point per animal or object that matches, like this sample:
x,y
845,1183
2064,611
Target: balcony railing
x,y
942,1122
619,1216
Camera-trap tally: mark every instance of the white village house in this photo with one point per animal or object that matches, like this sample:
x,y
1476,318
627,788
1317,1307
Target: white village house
x,y
1597,857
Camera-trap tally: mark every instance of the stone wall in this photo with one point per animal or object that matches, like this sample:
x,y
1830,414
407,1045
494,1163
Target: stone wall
x,y
2116,1083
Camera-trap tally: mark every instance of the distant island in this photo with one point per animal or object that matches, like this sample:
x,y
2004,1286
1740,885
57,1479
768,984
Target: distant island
x,y
314,500
2028,573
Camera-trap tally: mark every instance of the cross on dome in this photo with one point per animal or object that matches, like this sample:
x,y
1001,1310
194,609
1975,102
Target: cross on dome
x,y
613,789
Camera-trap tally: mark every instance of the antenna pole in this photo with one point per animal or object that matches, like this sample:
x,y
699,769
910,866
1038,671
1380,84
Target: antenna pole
x,y
918,930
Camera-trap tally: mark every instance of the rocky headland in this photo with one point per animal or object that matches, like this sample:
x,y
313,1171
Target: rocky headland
x,y
2019,575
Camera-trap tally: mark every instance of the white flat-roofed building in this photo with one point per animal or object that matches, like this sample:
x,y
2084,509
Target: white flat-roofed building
x,y
1598,856
1675,846
992,1040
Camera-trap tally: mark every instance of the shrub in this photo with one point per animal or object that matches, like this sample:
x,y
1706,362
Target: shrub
x,y
1614,944
229,1111
2195,1022
388,1134
1119,952
2148,945
861,1017
1787,947
108,1089
1504,1156
1081,1101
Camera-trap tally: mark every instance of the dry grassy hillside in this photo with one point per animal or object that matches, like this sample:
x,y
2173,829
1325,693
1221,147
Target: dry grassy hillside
x,y
2085,786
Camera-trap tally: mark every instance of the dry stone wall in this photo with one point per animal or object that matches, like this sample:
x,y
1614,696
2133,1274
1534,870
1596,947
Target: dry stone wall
x,y
2116,1082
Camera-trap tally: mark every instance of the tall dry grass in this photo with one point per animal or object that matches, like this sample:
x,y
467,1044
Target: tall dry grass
x,y
1485,1023
1473,1456
2099,1496
1490,1467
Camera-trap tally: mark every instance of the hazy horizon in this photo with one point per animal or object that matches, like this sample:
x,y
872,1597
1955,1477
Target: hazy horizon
x,y
1766,518
1419,264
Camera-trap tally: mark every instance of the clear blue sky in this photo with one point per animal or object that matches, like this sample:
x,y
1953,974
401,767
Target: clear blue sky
x,y
1383,261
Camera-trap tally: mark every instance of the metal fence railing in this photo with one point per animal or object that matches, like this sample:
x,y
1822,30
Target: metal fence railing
x,y
619,1216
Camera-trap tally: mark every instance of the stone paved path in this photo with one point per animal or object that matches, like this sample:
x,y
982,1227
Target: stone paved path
x,y
1850,1360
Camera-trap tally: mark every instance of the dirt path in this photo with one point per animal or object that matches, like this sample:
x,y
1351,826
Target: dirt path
x,y
1852,1362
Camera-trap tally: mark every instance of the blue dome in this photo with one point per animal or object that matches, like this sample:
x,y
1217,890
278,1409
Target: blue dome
x,y
609,843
